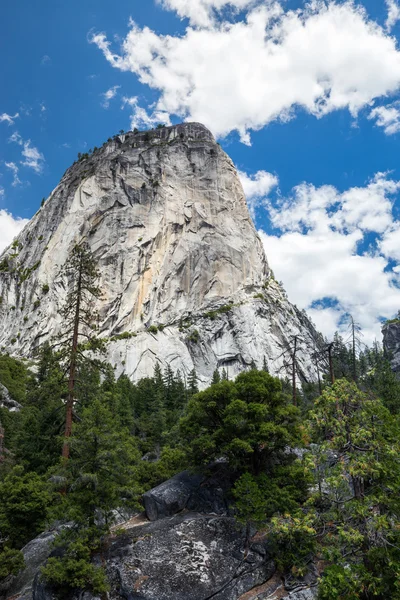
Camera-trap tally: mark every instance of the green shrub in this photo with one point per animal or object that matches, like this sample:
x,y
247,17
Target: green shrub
x,y
194,336
4,266
45,288
213,314
153,329
74,570
11,562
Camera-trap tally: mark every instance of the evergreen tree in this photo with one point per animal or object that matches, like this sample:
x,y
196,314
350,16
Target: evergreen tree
x,y
216,378
79,322
192,384
248,421
37,439
352,519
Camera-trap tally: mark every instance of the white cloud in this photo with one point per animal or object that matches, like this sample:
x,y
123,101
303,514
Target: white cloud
x,y
140,118
316,252
46,61
9,227
243,75
390,243
387,117
201,12
109,95
14,169
16,138
9,119
393,14
257,187
32,157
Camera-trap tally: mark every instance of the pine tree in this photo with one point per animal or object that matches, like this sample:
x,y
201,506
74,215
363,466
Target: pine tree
x,y
79,322
192,383
216,378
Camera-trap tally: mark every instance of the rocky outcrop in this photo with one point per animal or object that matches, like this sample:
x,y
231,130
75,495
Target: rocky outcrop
x,y
27,582
391,343
195,492
185,557
6,401
165,215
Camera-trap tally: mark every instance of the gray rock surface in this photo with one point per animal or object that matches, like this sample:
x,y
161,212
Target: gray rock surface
x,y
195,492
391,343
186,557
23,586
6,401
165,215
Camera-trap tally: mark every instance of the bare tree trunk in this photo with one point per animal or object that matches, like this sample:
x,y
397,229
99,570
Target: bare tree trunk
x,y
332,373
319,377
353,335
294,371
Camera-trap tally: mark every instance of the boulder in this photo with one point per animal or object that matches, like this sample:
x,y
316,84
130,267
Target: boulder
x,y
35,554
6,401
198,493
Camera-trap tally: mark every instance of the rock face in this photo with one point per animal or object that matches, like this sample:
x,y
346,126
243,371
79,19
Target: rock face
x,y
391,344
166,218
6,401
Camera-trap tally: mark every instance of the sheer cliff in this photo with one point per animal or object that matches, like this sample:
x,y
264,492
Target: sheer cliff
x,y
165,215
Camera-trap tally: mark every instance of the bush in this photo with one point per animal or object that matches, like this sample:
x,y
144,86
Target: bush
x,y
194,336
74,569
11,561
213,314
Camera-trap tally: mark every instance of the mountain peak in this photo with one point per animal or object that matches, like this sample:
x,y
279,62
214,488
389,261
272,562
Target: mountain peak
x,y
184,275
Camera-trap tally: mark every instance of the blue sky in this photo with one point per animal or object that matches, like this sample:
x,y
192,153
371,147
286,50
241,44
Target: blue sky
x,y
304,98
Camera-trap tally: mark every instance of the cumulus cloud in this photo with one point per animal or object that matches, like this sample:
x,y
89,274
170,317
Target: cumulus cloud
x,y
202,12
9,227
387,117
393,14
9,119
141,118
109,95
316,252
14,169
257,187
242,75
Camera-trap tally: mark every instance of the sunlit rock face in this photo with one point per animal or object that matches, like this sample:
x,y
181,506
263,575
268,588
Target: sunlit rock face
x,y
391,344
165,215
